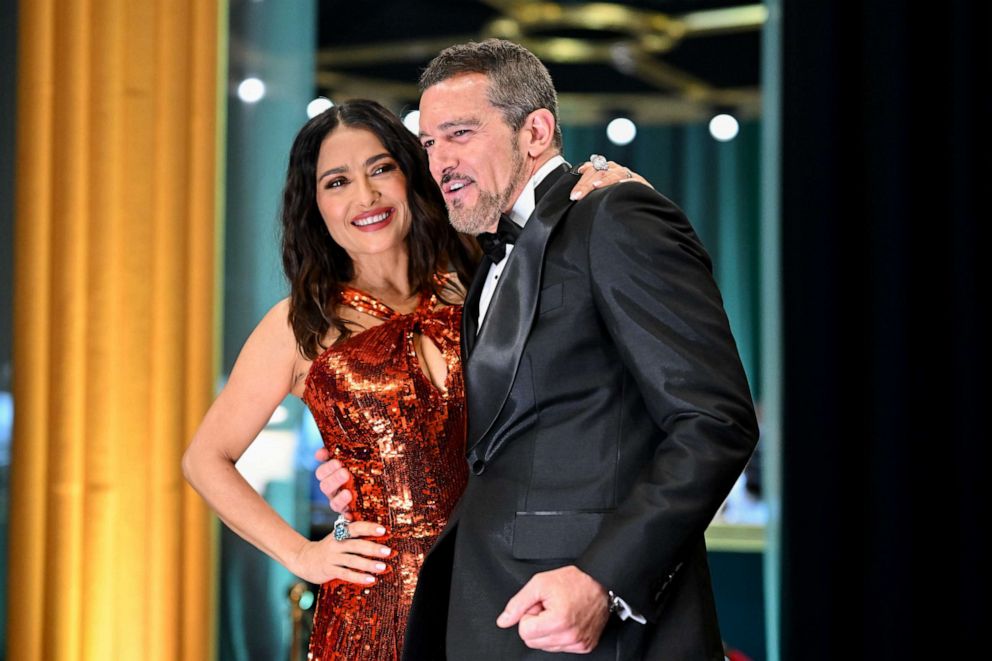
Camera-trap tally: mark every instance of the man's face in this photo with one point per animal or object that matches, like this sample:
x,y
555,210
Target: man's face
x,y
475,157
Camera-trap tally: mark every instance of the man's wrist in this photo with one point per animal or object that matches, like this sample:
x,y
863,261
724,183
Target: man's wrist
x,y
612,603
622,609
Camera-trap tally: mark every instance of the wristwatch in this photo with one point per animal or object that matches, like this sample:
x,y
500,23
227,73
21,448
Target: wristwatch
x,y
613,602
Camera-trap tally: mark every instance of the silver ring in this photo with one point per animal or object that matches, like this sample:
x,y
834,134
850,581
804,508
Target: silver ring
x,y
341,532
599,162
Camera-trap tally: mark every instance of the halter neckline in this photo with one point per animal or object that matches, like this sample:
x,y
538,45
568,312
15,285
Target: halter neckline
x,y
368,304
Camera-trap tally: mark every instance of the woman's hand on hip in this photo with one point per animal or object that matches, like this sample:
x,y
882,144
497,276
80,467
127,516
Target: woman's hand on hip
x,y
355,560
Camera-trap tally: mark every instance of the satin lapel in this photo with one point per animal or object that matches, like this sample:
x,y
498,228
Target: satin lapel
x,y
470,310
495,357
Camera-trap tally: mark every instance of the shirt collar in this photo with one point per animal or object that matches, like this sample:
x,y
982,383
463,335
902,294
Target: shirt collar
x,y
524,206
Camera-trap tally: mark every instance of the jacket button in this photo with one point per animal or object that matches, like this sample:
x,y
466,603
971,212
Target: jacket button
x,y
478,466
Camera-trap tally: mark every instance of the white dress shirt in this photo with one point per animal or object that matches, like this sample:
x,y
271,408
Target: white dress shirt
x,y
521,211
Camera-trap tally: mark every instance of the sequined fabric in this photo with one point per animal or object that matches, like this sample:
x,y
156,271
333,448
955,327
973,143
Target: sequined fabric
x,y
403,440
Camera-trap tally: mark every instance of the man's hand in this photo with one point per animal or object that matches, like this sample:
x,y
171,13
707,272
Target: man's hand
x,y
333,477
563,610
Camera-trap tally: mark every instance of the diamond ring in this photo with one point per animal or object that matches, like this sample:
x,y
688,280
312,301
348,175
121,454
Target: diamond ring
x,y
341,528
599,162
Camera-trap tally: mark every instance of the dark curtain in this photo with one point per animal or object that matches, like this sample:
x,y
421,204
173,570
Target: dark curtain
x,y
885,109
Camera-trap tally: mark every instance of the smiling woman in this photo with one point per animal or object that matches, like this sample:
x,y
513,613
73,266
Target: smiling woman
x,y
361,194
321,201
369,339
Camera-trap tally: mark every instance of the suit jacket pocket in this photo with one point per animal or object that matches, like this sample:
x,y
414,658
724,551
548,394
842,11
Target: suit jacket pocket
x,y
554,535
551,297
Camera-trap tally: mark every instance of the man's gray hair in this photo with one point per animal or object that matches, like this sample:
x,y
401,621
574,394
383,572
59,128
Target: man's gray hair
x,y
519,83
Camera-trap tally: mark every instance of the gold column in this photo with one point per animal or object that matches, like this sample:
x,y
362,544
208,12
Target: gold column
x,y
114,336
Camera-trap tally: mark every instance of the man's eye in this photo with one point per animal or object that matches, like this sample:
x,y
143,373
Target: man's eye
x,y
460,132
427,144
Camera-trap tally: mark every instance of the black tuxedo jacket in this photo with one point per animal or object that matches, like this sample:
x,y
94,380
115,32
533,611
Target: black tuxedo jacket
x,y
608,418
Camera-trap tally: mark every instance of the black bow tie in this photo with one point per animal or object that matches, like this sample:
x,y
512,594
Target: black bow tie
x,y
494,245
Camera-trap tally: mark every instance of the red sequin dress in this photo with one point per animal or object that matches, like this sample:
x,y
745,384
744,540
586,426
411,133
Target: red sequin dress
x,y
403,439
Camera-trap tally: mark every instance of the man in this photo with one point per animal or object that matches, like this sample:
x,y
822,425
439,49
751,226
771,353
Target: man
x,y
609,415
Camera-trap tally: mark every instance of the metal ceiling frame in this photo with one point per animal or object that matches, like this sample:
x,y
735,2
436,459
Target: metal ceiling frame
x,y
634,42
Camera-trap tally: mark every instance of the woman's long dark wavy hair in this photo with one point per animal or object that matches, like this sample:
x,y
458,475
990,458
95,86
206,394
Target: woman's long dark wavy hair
x,y
316,266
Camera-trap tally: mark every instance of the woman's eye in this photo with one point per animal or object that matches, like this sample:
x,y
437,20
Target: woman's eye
x,y
388,167
335,183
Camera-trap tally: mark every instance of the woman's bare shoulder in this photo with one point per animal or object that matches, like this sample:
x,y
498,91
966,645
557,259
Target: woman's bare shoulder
x,y
278,323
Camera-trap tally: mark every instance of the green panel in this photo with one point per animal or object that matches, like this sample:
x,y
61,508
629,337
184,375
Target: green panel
x,y
656,158
771,316
749,178
736,265
737,587
580,142
276,43
700,185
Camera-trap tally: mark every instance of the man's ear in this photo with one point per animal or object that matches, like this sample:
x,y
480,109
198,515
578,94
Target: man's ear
x,y
538,132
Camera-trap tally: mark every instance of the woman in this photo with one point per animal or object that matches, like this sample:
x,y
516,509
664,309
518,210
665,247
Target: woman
x,y
369,339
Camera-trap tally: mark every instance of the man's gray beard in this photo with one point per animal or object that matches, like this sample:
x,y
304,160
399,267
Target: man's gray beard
x,y
479,218
485,214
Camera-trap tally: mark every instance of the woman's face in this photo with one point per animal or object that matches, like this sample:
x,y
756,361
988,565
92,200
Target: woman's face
x,y
361,193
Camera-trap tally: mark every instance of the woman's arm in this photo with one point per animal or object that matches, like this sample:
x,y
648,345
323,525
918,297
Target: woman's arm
x,y
261,378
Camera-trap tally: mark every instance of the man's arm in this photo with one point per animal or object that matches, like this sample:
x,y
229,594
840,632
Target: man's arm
x,y
652,284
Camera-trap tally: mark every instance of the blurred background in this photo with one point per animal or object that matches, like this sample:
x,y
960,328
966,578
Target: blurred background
x,y
791,134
